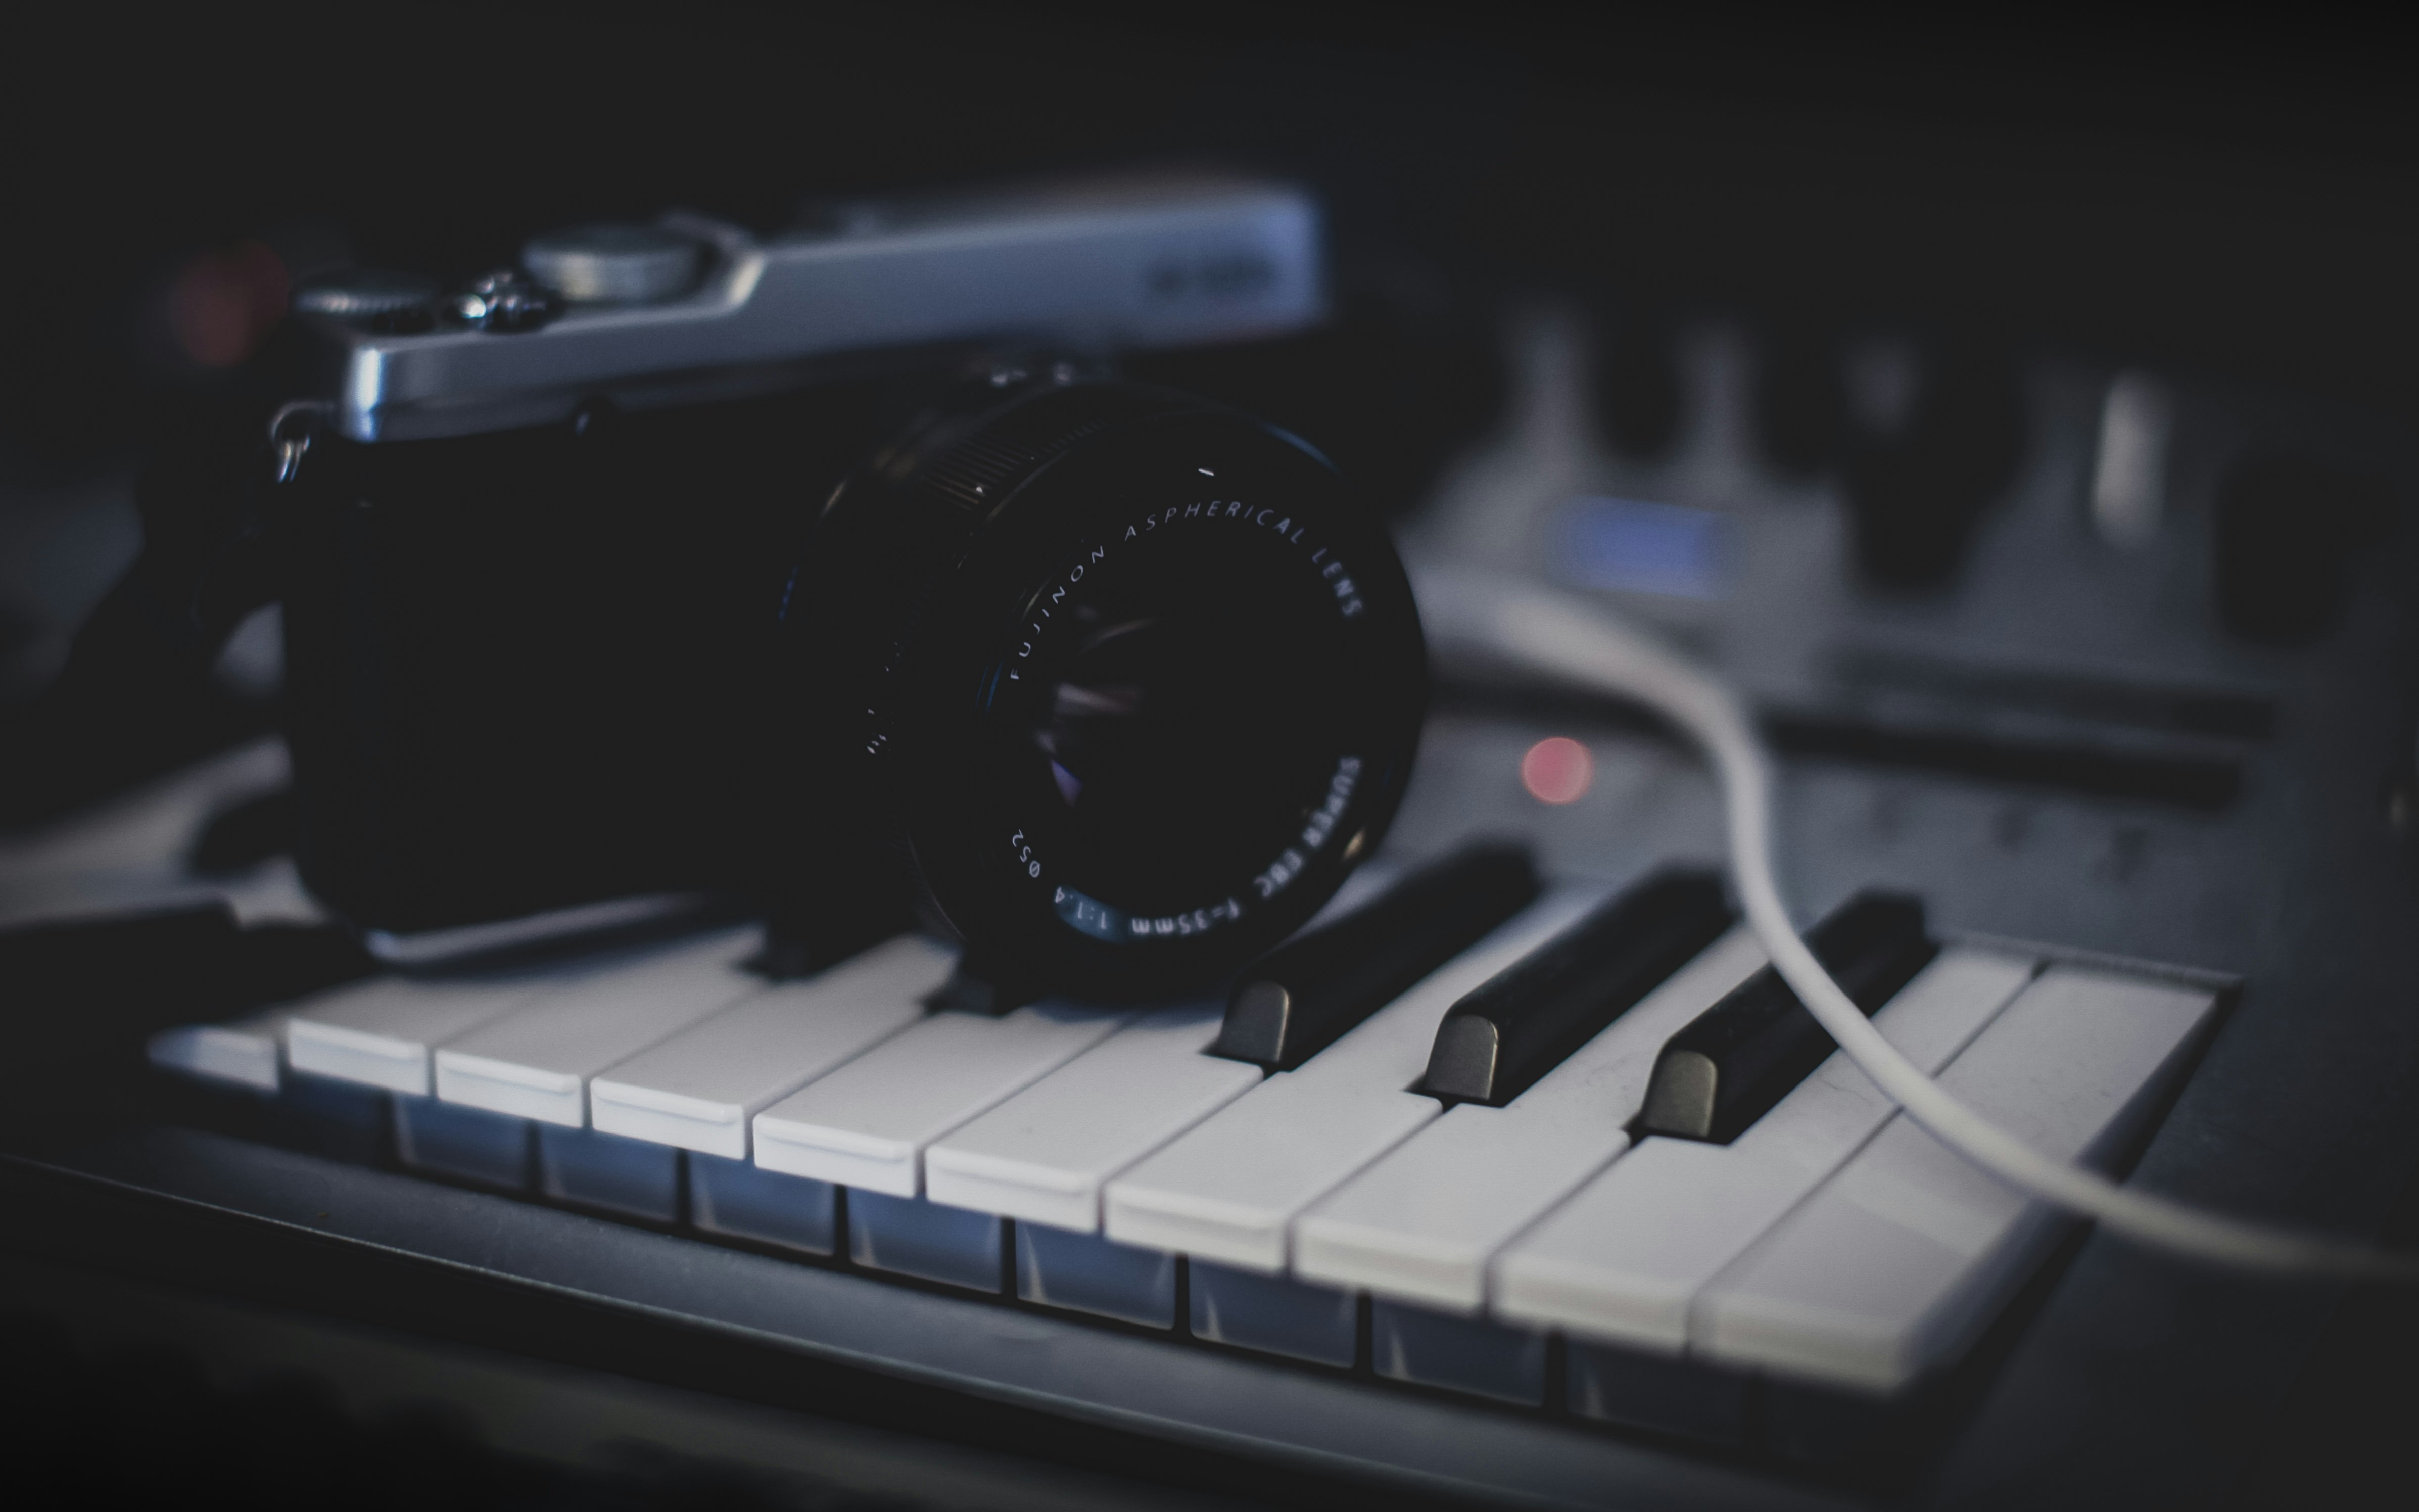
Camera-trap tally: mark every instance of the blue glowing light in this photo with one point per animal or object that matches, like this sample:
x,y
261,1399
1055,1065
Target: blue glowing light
x,y
1643,547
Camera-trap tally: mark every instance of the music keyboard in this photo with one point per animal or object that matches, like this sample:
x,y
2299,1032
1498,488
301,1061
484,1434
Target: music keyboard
x,y
1106,1167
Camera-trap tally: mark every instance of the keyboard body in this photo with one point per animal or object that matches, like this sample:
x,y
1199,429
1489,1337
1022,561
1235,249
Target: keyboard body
x,y
2038,802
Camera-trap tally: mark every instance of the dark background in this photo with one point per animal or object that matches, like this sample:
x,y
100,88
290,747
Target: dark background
x,y
2228,192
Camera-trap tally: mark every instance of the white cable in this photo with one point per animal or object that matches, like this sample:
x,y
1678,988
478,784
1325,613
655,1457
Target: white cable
x,y
1540,629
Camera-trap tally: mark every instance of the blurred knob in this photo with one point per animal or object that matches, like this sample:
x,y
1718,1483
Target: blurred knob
x,y
1915,492
1637,385
1800,408
375,297
614,264
2128,496
2288,533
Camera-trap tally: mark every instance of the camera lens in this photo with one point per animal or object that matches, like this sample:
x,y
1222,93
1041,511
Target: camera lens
x,y
1156,689
1153,690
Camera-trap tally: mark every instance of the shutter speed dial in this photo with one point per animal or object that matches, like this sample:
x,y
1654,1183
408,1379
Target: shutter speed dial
x,y
615,264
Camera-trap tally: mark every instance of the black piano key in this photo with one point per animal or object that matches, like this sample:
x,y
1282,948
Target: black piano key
x,y
1741,1056
1295,1000
1496,1043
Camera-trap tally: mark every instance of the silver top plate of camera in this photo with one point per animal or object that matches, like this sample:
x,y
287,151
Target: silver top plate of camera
x,y
1098,265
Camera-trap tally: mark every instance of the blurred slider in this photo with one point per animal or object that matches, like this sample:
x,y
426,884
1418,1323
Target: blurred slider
x,y
1522,1023
1301,998
1741,1056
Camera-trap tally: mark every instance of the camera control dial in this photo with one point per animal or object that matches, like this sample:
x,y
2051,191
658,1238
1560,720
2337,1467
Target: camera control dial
x,y
383,300
614,264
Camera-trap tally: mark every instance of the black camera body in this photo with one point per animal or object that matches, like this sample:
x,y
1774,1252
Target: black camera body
x,y
809,568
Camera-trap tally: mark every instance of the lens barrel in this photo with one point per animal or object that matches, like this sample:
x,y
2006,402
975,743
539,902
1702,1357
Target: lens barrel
x,y
1133,676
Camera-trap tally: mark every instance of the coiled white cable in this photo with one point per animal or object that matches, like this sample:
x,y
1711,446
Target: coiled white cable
x,y
1579,644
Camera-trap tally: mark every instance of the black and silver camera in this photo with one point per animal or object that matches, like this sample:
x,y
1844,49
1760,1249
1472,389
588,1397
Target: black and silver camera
x,y
682,561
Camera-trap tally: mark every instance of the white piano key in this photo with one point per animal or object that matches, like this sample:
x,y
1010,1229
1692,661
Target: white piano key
x,y
535,1060
1453,1353
1087,1273
745,1202
869,1123
1892,1266
245,1053
1667,1393
1932,1020
470,1144
920,1238
1622,1258
1422,1222
385,1032
634,1177
1044,1154
699,1089
1272,1314
1229,1189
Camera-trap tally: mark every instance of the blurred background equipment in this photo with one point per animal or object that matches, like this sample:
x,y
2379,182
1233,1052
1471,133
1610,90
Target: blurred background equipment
x,y
2016,411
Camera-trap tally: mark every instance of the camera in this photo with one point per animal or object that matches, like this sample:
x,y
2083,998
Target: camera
x,y
836,566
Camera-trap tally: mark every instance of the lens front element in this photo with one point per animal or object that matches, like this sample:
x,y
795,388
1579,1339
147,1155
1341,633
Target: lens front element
x,y
1164,699
1188,754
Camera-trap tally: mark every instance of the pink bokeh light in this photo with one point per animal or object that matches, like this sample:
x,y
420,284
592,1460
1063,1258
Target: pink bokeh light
x,y
1557,769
